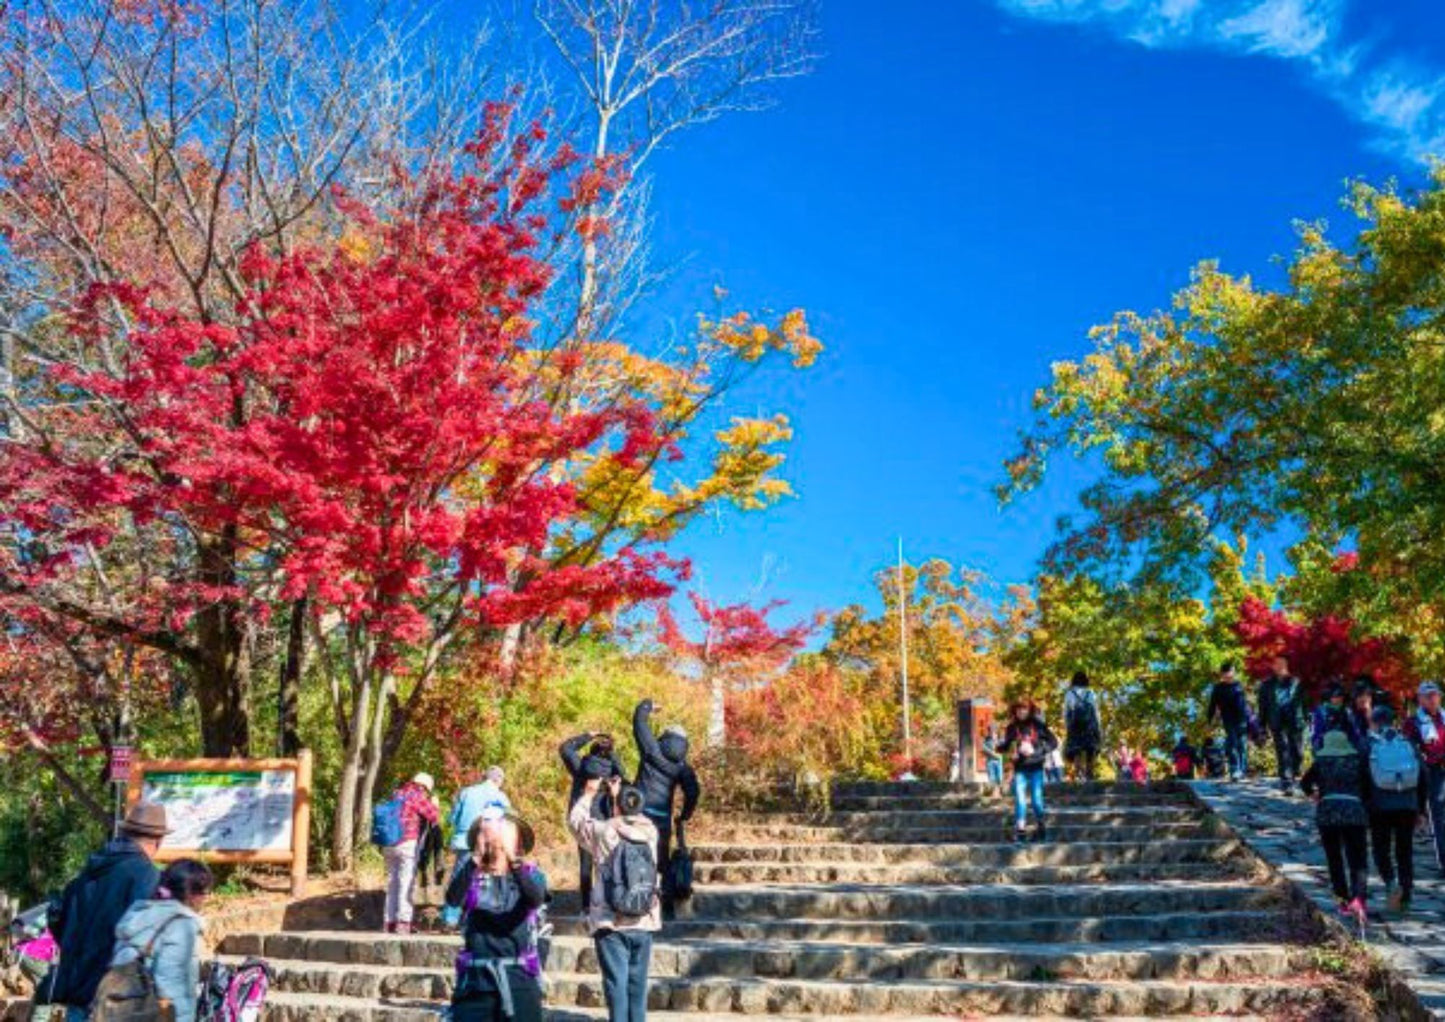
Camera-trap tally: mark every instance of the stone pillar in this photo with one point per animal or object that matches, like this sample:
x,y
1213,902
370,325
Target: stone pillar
x,y
974,718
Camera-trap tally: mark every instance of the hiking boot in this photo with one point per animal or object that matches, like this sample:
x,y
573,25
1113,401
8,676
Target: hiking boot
x,y
1356,910
1394,897
1021,835
1041,833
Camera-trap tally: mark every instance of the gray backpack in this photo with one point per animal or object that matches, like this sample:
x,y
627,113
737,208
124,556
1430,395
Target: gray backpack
x,y
629,881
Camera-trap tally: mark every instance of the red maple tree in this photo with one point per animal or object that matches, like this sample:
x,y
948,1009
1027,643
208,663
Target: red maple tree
x,y
1320,650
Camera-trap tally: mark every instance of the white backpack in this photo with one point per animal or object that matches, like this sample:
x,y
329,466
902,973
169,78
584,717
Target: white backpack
x,y
1393,763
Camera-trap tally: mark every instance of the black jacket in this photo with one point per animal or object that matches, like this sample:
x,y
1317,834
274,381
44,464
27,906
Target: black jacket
x,y
1228,701
1343,786
574,759
1043,740
116,877
498,921
664,769
1281,704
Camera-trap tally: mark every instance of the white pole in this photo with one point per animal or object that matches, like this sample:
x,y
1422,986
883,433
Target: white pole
x,y
903,646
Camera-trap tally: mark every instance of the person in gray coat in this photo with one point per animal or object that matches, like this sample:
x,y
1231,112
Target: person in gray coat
x,y
169,926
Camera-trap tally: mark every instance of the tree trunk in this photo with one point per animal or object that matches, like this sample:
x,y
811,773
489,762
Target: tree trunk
x,y
221,681
717,725
288,693
375,755
343,831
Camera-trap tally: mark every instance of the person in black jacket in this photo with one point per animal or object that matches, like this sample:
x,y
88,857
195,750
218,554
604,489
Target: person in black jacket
x,y
1282,710
116,877
598,762
1338,780
1030,741
662,771
500,895
1228,702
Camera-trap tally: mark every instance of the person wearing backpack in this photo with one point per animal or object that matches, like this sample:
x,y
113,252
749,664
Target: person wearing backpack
x,y
663,770
500,896
1083,735
157,951
1213,756
1030,741
114,879
1229,704
1185,758
1282,710
1397,795
1339,780
1426,729
1333,714
626,905
396,826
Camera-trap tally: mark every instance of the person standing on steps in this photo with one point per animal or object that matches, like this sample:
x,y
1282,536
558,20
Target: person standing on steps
x,y
1338,781
1282,711
1426,729
626,905
1186,759
166,930
664,770
992,759
471,802
499,895
598,763
1213,756
1030,741
1083,733
1229,704
1397,796
413,804
116,877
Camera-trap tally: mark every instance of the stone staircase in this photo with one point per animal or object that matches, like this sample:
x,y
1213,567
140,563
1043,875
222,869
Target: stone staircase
x,y
906,902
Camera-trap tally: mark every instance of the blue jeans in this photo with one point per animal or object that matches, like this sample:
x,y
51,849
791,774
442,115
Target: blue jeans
x,y
1028,784
624,956
452,917
1236,747
995,771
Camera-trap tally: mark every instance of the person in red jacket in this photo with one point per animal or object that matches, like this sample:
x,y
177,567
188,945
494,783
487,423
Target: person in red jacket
x,y
1426,730
417,809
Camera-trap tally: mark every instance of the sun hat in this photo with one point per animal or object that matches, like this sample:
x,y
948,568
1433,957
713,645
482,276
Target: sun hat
x,y
1337,743
145,819
424,780
1426,687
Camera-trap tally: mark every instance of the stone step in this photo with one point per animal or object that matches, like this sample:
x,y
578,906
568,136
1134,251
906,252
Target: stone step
x,y
913,901
359,966
1010,855
933,873
1000,798
1000,831
928,817
1156,790
1243,925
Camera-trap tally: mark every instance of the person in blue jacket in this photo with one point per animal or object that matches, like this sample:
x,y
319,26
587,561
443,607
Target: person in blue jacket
x,y
116,877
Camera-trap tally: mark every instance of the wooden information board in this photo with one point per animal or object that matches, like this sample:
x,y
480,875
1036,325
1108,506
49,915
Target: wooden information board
x,y
231,810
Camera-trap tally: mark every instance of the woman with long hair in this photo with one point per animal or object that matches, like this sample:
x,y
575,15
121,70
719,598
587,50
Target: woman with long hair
x,y
1030,741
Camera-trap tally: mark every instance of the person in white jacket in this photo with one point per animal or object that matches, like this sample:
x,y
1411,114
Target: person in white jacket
x,y
168,928
623,941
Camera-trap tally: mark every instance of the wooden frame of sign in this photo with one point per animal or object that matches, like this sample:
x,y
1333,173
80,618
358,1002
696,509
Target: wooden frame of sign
x,y
195,770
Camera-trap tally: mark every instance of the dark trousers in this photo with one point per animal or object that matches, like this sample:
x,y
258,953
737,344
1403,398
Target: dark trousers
x,y
1392,835
1435,779
1083,762
1236,747
584,876
1288,751
624,956
1345,852
487,1007
664,856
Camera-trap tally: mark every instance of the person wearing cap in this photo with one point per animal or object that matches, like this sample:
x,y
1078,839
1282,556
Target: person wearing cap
x,y
662,771
1397,796
1334,714
623,942
1426,730
500,894
471,802
1338,780
417,808
599,762
116,877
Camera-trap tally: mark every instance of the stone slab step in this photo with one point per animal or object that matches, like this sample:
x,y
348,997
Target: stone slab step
x,y
361,966
1002,855
912,901
929,816
1246,925
999,832
1001,798
931,873
1157,790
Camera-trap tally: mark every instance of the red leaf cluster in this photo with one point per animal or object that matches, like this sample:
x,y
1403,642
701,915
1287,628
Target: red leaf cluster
x,y
734,637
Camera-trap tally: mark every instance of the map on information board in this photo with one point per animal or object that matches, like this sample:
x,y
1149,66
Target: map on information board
x,y
243,811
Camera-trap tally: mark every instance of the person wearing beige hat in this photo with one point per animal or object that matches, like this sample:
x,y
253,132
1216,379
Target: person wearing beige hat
x,y
115,878
413,805
1339,780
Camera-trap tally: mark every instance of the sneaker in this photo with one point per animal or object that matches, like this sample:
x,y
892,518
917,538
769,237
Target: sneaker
x,y
389,928
1021,835
403,929
1356,911
1041,834
1394,897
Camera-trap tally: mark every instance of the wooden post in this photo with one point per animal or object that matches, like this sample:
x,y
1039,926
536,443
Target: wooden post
x,y
301,825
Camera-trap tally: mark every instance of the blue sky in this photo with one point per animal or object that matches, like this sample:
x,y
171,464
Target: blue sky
x,y
961,189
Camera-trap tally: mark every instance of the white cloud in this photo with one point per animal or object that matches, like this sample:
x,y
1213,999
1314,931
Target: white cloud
x,y
1404,103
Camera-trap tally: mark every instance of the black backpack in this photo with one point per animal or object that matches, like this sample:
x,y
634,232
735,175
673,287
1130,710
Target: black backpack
x,y
1082,725
680,869
629,883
